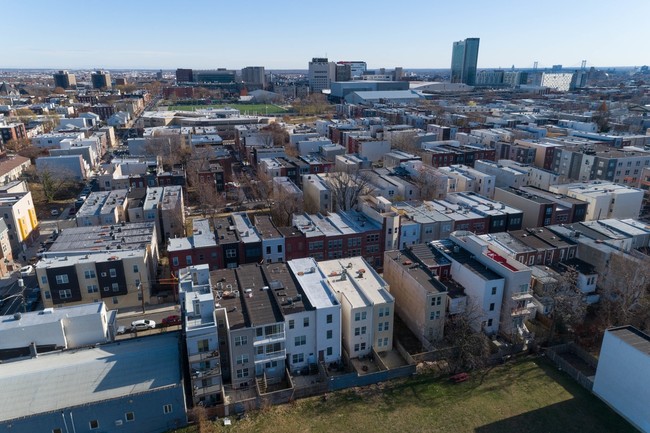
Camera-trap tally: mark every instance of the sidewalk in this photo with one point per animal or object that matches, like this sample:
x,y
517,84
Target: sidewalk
x,y
150,309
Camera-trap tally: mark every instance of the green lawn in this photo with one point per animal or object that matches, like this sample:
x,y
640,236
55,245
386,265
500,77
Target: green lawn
x,y
260,109
529,395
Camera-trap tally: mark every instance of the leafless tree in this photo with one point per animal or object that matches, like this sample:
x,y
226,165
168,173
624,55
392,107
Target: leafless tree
x,y
470,347
347,186
431,183
285,204
569,306
55,183
171,148
406,142
624,292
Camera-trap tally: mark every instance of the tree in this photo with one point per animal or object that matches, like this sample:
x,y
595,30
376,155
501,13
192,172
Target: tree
x,y
602,117
431,183
16,145
285,204
569,306
51,122
59,91
25,115
470,347
624,295
54,183
170,147
405,141
347,186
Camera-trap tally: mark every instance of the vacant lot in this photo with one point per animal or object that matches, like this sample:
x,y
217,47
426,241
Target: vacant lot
x,y
529,395
260,109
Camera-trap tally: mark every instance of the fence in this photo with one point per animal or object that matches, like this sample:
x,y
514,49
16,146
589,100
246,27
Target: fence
x,y
353,379
555,354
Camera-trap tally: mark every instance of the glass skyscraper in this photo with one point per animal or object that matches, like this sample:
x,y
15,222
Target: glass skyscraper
x,y
464,58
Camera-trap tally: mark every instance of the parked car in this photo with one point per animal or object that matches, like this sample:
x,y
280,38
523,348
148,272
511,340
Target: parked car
x,y
26,271
121,330
143,324
171,320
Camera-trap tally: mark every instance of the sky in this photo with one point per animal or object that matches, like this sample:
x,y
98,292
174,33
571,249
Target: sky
x,y
282,34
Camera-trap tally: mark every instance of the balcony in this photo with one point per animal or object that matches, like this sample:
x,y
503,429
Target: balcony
x,y
208,372
199,391
522,296
271,338
520,311
281,354
203,356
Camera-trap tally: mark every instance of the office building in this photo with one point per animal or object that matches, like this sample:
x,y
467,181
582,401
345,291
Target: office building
x,y
65,80
464,59
101,80
253,76
321,74
357,68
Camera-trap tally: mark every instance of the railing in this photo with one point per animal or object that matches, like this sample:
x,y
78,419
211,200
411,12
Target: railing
x,y
210,389
270,356
200,373
519,296
203,356
521,311
271,338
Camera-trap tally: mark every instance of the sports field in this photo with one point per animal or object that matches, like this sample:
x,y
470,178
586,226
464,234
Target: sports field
x,y
251,109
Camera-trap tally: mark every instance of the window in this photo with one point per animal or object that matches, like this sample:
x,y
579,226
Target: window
x,y
356,347
89,274
47,294
115,300
494,290
94,424
298,358
136,269
129,416
386,326
167,408
372,237
363,330
489,322
231,253
93,288
43,279
112,272
329,318
65,294
380,327
106,288
188,260
300,341
305,322
434,315
329,351
115,287
62,279
242,359
492,306
175,261
317,245
329,334
437,300
292,324
202,345
279,248
241,341
363,346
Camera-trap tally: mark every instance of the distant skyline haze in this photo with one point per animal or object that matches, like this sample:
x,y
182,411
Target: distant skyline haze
x,y
286,35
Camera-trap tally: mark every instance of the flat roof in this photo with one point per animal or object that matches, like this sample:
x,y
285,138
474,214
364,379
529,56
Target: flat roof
x,y
224,281
49,315
466,259
261,307
312,284
245,228
633,337
281,285
416,270
60,380
126,236
362,285
266,228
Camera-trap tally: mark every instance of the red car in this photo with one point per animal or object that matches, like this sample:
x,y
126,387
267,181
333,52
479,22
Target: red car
x,y
171,320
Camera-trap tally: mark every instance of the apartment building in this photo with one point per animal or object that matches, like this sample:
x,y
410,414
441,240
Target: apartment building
x,y
172,212
504,176
500,217
367,307
535,246
469,179
517,304
605,199
421,300
17,209
201,335
483,288
103,208
317,194
273,247
116,264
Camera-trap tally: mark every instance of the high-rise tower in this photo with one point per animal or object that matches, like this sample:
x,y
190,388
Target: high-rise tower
x,y
464,59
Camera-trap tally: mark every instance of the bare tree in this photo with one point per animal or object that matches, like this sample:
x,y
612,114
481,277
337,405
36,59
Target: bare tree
x,y
431,183
569,306
470,346
347,186
171,148
405,141
55,183
624,292
285,204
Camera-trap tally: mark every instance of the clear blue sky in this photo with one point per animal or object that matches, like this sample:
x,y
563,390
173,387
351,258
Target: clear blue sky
x,y
287,34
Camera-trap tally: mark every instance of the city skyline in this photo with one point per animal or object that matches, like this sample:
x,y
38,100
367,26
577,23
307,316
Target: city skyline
x,y
148,35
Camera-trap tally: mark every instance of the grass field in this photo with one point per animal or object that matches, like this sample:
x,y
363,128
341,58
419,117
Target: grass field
x,y
528,395
260,109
